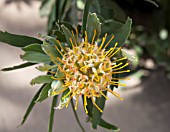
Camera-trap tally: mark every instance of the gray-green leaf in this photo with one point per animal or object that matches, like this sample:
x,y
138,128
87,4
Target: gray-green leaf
x,y
121,35
152,2
68,35
85,14
42,79
93,23
64,100
31,105
17,40
96,113
33,47
110,27
35,57
129,56
44,93
18,66
51,120
56,88
50,50
46,67
107,125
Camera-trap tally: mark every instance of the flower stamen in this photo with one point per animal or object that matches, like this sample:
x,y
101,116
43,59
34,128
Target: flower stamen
x,y
109,42
94,35
58,50
72,43
115,52
67,94
88,69
96,105
124,58
103,95
114,93
120,72
121,67
103,40
76,103
61,46
85,103
74,37
57,78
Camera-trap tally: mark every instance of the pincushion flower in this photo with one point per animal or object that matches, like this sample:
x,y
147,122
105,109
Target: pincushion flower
x,y
86,70
78,64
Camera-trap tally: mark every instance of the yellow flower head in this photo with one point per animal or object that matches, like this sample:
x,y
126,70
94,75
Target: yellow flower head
x,y
88,69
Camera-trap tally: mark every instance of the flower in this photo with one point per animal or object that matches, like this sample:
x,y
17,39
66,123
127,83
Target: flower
x,y
87,69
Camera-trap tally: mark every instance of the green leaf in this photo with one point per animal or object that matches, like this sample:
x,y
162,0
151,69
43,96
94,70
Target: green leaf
x,y
56,88
35,57
52,17
121,35
85,14
89,106
107,125
95,6
59,35
129,56
44,92
68,25
46,67
17,40
152,2
109,9
64,99
102,123
75,114
51,120
60,74
61,8
93,23
18,66
100,102
31,105
64,7
50,39
46,7
42,79
68,35
110,27
33,47
50,50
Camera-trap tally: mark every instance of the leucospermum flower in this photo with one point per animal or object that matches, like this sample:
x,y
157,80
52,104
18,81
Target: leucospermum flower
x,y
87,69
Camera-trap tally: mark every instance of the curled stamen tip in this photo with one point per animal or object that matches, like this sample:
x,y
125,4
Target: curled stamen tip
x,y
116,43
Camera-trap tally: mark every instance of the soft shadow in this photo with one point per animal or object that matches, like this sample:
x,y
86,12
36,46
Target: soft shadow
x,y
155,99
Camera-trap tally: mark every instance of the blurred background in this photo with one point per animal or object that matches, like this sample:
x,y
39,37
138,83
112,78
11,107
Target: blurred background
x,y
147,95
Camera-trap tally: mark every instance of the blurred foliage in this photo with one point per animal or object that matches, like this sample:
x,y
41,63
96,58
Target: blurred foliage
x,y
150,31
